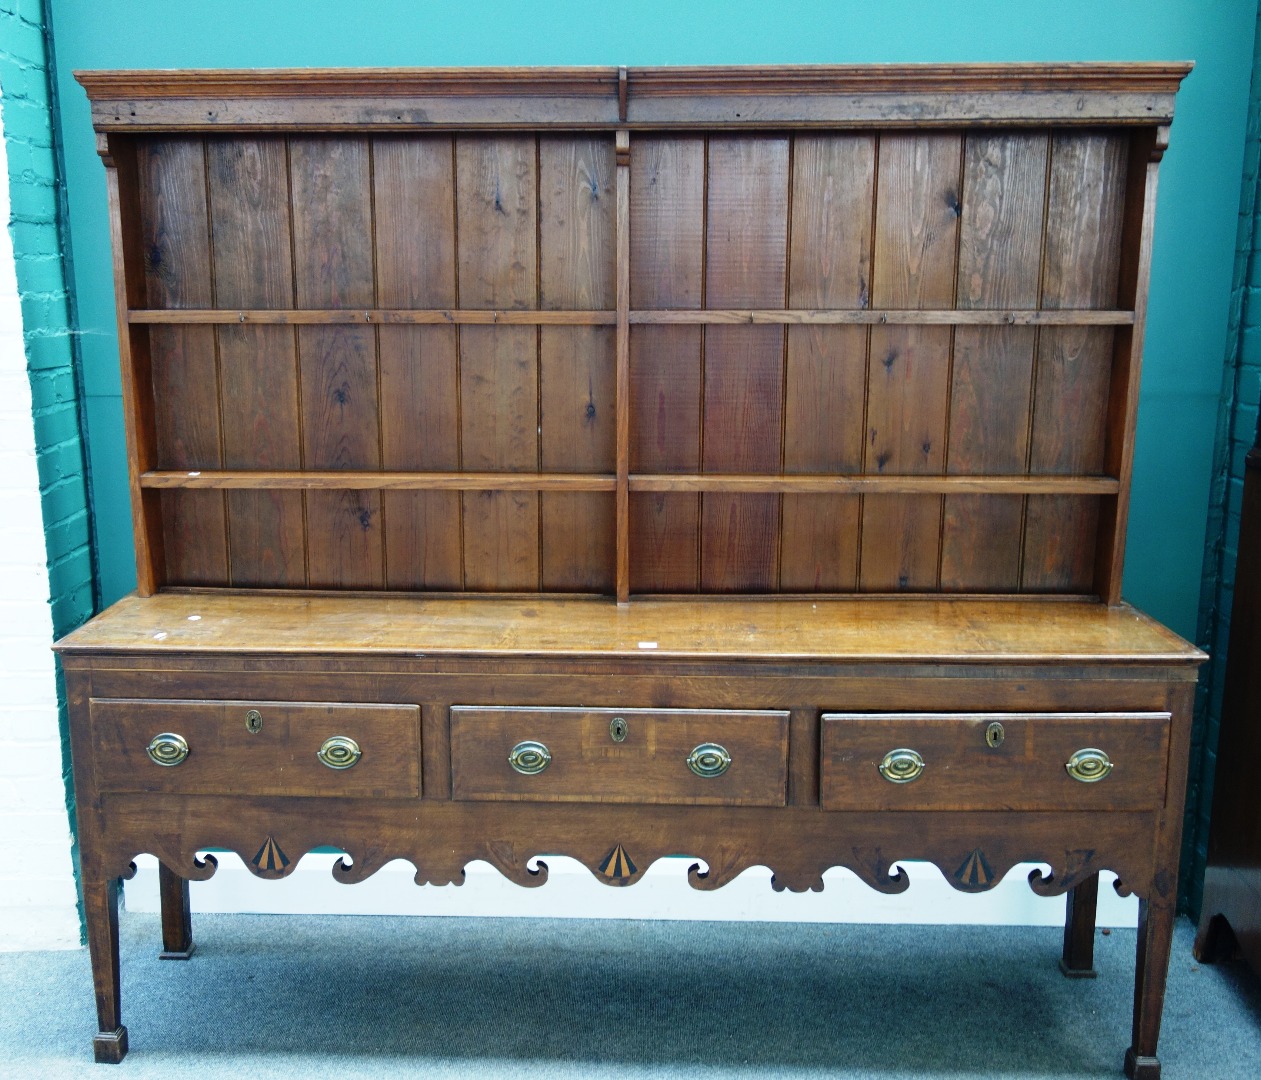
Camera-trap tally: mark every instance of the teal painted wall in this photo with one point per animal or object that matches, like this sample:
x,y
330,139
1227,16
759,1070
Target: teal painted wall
x,y
36,225
1237,427
1199,197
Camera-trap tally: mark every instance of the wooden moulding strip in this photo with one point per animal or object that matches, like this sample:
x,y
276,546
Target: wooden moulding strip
x,y
739,483
374,316
347,480
940,317
772,316
622,441
913,95
875,485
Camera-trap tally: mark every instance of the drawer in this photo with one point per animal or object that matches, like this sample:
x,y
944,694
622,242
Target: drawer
x,y
1021,766
620,755
257,747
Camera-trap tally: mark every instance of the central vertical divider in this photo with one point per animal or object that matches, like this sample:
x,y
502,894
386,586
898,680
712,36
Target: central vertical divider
x,y
622,396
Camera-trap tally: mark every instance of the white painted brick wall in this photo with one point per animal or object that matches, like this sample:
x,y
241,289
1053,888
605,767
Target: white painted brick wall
x,y
37,891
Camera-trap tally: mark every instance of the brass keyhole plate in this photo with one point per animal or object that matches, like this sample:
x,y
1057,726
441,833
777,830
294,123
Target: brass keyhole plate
x,y
253,721
618,729
994,735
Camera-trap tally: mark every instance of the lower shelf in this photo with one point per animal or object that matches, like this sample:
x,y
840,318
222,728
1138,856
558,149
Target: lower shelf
x,y
572,892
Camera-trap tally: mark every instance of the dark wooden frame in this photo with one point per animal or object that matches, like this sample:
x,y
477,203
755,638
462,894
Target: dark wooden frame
x,y
1052,666
627,102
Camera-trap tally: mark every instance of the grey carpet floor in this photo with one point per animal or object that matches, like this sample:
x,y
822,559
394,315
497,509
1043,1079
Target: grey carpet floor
x,y
271,996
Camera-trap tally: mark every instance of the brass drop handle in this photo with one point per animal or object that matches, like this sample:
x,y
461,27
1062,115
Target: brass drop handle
x,y
339,752
1089,765
709,760
901,766
529,758
167,749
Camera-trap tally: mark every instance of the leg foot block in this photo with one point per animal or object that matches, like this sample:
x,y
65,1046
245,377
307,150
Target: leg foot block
x,y
1077,973
1141,1067
178,954
110,1047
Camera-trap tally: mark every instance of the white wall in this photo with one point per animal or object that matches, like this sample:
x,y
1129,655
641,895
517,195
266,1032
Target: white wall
x,y
37,891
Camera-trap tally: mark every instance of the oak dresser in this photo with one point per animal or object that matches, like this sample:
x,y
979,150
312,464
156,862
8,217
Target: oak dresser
x,y
619,463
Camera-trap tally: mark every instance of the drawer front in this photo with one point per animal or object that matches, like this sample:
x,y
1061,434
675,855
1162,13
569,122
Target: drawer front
x,y
969,765
620,755
257,747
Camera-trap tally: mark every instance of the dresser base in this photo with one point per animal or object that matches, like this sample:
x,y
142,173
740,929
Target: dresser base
x,y
883,733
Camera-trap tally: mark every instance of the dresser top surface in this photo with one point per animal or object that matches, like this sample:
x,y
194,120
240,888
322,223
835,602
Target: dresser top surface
x,y
859,629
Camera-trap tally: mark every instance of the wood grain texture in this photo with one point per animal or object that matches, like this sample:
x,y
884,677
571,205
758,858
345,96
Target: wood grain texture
x,y
443,334
837,484
920,95
916,233
962,772
577,263
830,267
177,272
248,182
647,767
925,629
378,480
1137,238
332,243
1073,376
578,415
667,246
454,316
746,262
225,758
1000,264
414,205
497,223
621,381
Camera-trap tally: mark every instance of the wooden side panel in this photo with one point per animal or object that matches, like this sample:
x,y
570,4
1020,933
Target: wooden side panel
x,y
176,247
916,230
414,202
1000,266
497,197
1083,242
577,265
332,241
253,268
746,266
830,267
667,265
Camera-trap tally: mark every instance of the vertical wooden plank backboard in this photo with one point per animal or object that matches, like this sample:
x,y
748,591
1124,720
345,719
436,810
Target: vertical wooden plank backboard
x,y
496,195
667,215
830,267
917,219
577,261
1073,373
746,260
332,243
1000,266
176,246
253,265
414,199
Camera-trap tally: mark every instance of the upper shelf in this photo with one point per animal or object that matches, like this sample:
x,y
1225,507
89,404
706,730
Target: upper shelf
x,y
895,95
